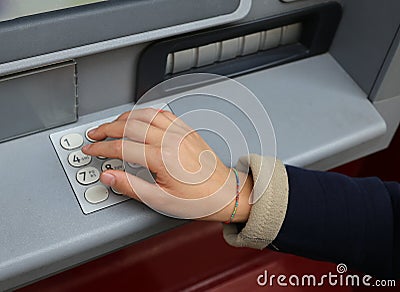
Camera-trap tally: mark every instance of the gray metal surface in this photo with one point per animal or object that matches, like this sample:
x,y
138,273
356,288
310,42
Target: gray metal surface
x,y
266,8
247,10
317,111
122,24
388,85
389,109
12,9
42,227
107,79
100,22
34,108
364,37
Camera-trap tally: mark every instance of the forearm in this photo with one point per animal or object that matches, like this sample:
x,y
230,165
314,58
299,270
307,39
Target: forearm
x,y
330,217
336,218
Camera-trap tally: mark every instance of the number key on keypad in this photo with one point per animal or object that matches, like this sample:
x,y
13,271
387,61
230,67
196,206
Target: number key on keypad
x,y
87,136
114,164
96,194
88,175
71,141
78,159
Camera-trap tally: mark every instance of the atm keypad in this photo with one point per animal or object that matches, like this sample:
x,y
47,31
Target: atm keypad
x,y
83,171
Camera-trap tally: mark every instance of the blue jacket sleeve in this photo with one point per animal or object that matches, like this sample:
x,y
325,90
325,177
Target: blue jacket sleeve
x,y
332,217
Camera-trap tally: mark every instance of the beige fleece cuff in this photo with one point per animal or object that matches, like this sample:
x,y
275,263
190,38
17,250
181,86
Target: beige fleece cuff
x,y
267,214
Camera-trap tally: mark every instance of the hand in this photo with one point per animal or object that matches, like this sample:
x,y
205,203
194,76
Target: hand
x,y
192,182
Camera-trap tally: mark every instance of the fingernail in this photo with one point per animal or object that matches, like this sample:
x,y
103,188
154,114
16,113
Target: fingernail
x,y
86,147
160,111
108,179
91,132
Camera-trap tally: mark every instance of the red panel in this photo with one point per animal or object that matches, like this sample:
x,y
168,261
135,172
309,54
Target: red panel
x,y
384,164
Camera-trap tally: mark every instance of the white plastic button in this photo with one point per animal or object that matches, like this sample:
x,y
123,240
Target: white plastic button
x,y
184,60
114,164
146,175
208,54
78,159
251,43
88,175
291,34
86,134
230,49
96,194
116,192
272,38
71,141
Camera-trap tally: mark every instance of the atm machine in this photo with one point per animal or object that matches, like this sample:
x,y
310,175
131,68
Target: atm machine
x,y
326,71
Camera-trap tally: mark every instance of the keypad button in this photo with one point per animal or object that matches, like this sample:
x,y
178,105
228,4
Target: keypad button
x,y
146,175
116,192
88,175
96,194
79,159
71,141
87,137
114,164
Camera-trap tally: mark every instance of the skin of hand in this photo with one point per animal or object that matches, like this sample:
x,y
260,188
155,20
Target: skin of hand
x,y
185,165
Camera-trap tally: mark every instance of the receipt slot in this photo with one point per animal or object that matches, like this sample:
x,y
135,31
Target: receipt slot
x,y
326,72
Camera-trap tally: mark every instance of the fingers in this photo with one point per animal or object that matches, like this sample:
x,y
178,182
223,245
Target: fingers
x,y
131,185
124,116
113,130
158,118
143,154
122,182
139,125
118,181
176,121
151,116
142,132
133,129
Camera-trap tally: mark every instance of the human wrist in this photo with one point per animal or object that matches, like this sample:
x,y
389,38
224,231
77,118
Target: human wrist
x,y
229,190
244,207
268,212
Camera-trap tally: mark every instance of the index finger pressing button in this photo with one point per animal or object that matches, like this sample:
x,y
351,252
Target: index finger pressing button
x,y
78,159
87,136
